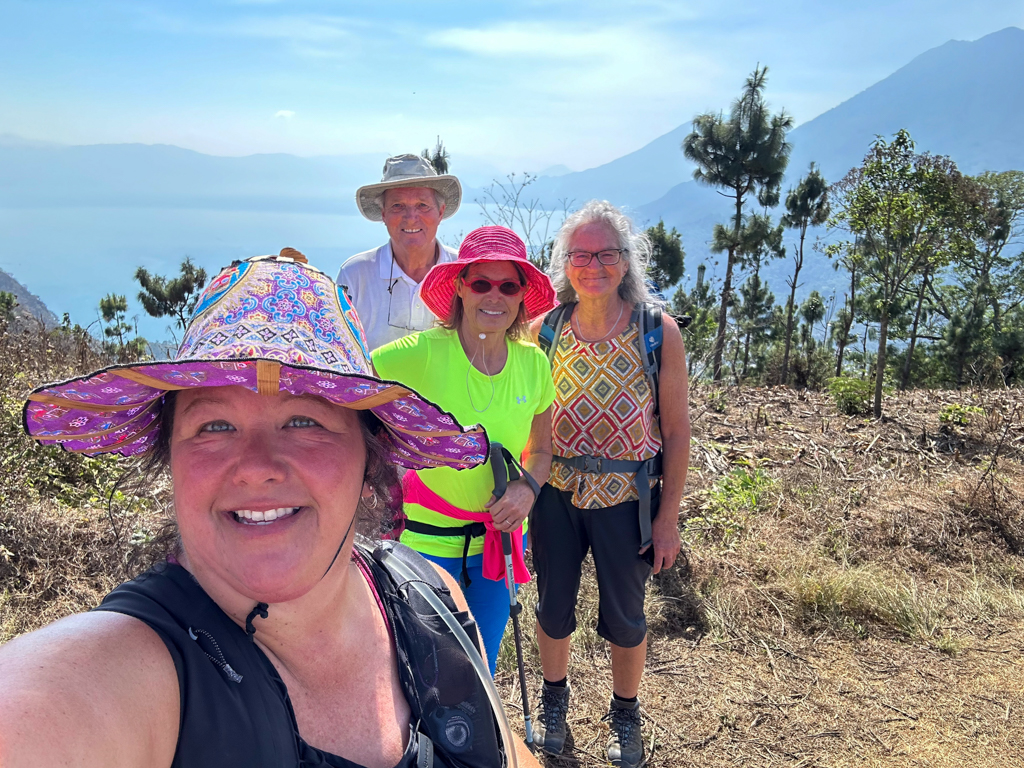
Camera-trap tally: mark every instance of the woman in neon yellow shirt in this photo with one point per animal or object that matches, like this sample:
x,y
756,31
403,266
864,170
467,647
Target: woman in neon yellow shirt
x,y
481,367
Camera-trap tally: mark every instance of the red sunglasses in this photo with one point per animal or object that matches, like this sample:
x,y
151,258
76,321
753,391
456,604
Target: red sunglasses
x,y
507,287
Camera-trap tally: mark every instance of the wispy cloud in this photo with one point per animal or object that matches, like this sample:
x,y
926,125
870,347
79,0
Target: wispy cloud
x,y
293,28
527,39
612,59
284,114
297,29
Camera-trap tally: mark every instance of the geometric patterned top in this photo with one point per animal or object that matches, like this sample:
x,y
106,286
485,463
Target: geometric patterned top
x,y
603,407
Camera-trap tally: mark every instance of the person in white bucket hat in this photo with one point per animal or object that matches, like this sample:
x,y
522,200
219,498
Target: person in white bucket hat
x,y
383,283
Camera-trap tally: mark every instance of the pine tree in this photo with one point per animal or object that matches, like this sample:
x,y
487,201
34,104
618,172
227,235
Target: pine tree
x,y
113,311
806,206
667,255
745,154
438,157
175,297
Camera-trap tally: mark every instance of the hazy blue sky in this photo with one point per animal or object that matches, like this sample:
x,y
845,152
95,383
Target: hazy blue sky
x,y
525,84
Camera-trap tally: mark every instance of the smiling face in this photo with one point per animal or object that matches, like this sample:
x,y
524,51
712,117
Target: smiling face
x,y
491,312
595,280
236,457
411,215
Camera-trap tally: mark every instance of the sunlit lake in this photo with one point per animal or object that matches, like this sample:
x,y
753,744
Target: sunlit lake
x,y
71,257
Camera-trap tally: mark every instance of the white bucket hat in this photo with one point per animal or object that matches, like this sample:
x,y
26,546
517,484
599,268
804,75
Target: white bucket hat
x,y
408,171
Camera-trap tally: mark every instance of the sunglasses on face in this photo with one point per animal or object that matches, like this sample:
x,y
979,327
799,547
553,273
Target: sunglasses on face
x,y
507,287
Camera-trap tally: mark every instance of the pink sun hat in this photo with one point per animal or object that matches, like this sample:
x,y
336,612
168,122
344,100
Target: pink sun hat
x,y
271,324
491,243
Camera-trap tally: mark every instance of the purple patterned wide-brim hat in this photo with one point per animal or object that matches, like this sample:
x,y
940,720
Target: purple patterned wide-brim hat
x,y
271,324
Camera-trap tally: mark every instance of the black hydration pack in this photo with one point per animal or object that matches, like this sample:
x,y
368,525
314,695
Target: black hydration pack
x,y
649,319
235,710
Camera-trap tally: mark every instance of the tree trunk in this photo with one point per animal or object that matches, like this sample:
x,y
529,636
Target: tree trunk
x,y
723,311
746,353
905,377
883,333
736,363
784,375
723,320
791,307
849,323
842,345
864,351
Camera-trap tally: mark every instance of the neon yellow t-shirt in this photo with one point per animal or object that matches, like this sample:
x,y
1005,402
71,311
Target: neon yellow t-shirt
x,y
435,365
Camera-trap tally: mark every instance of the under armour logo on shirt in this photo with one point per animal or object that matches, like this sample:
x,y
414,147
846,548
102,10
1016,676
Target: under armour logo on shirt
x,y
521,400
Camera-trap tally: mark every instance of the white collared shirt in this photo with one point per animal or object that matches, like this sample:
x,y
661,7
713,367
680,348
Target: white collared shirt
x,y
387,315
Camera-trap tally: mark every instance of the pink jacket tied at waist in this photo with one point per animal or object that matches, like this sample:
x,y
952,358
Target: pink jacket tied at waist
x,y
414,491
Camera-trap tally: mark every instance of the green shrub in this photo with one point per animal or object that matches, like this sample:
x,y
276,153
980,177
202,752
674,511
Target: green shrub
x,y
717,400
852,396
31,470
730,501
956,415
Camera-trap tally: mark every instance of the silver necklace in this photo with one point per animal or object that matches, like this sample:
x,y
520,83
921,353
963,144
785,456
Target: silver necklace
x,y
581,337
490,378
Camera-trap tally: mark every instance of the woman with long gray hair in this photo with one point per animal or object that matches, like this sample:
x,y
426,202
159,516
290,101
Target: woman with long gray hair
x,y
621,439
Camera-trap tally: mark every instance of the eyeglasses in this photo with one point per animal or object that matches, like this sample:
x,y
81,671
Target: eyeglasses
x,y
608,256
507,287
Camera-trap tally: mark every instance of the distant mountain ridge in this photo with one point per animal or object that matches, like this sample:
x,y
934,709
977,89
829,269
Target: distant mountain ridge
x,y
950,100
155,204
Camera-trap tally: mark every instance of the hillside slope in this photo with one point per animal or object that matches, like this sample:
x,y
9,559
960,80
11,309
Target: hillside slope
x,y
962,99
29,305
850,596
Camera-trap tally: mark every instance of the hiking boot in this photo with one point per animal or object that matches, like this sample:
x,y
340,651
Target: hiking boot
x,y
549,732
625,747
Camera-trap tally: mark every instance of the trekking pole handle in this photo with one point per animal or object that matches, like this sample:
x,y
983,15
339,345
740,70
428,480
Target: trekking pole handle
x,y
500,470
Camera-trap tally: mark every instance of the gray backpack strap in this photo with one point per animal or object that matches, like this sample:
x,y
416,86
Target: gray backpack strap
x,y
551,330
650,337
425,751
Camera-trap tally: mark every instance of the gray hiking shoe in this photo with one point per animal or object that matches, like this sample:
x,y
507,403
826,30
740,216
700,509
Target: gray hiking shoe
x,y
549,732
625,746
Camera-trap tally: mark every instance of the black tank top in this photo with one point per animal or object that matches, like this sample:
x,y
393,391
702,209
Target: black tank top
x,y
235,709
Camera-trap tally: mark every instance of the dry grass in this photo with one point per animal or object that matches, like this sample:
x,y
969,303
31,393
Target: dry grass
x,y
866,610
70,529
853,592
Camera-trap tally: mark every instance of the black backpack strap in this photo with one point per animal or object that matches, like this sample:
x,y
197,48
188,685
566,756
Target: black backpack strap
x,y
424,571
551,330
468,532
506,469
642,471
448,700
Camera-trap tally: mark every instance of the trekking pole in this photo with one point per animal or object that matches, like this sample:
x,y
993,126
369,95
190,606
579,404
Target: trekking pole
x,y
500,470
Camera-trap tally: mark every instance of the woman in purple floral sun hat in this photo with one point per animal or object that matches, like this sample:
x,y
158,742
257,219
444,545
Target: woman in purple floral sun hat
x,y
269,636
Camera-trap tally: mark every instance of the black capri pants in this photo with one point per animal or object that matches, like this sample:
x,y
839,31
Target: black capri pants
x,y
561,535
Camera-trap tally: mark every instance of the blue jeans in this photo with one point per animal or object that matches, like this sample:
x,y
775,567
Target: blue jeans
x,y
488,601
